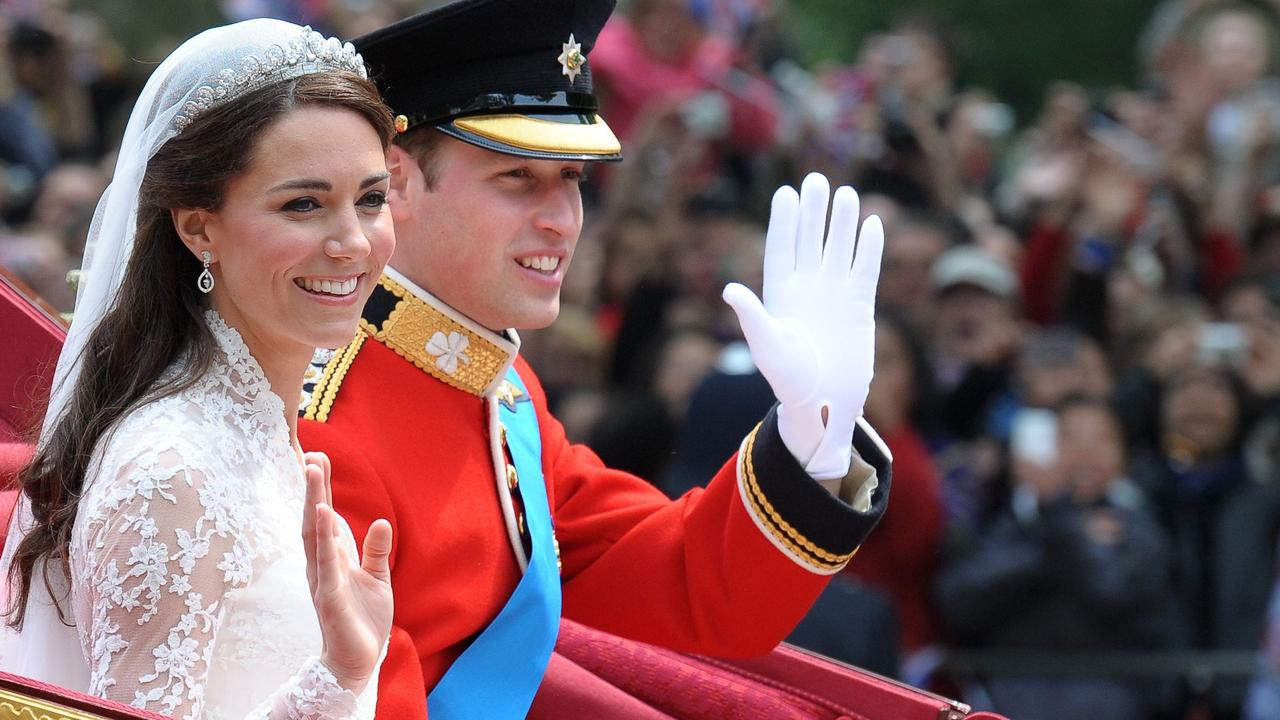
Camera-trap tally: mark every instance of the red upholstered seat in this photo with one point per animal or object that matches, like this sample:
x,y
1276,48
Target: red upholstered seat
x,y
32,334
8,499
594,674
13,455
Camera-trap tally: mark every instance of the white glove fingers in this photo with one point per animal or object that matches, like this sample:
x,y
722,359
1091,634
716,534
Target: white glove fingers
x,y
815,193
780,240
865,274
758,326
838,254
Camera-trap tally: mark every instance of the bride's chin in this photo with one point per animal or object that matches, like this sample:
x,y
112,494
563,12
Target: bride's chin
x,y
334,338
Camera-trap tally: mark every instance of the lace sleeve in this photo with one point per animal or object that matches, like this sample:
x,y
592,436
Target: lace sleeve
x,y
159,549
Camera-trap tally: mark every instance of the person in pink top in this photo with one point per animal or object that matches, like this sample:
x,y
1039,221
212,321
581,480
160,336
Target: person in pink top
x,y
659,60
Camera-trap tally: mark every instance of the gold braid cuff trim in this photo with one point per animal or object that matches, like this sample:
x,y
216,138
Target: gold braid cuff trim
x,y
326,390
14,706
413,324
782,531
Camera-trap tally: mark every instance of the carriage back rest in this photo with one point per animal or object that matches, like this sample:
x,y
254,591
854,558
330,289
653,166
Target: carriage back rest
x,y
31,337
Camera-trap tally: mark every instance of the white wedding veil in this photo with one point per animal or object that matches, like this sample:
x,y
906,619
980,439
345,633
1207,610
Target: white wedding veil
x,y
210,69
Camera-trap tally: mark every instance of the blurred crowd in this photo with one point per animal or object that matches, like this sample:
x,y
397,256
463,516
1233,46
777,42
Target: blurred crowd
x,y
1078,337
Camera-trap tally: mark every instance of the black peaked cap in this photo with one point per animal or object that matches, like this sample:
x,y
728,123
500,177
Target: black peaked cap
x,y
480,58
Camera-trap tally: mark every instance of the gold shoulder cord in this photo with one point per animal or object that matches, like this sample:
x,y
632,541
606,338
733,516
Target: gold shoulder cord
x,y
326,390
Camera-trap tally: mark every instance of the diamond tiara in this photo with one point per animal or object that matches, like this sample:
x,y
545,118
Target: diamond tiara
x,y
309,52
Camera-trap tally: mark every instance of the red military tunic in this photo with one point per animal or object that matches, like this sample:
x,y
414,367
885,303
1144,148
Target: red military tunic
x,y
407,414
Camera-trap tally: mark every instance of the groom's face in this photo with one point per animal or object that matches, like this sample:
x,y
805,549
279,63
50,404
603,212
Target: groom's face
x,y
492,235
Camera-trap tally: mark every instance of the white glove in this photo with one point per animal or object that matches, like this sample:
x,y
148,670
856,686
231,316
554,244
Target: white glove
x,y
814,336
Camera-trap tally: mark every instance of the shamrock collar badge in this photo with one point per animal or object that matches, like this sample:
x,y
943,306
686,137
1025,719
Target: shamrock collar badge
x,y
571,58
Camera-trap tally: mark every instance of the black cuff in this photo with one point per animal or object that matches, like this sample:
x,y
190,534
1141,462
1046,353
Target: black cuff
x,y
796,513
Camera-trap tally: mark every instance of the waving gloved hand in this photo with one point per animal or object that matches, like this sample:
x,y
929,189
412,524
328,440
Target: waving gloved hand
x,y
813,337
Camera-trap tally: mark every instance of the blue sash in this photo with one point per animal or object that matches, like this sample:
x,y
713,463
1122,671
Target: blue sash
x,y
497,676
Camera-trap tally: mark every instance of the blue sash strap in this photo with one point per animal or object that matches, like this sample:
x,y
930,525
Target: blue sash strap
x,y
498,675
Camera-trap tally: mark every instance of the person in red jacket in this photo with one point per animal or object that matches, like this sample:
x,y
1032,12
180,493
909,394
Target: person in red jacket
x,y
432,420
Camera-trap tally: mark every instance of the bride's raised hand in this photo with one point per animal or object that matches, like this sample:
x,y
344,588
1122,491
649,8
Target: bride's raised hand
x,y
352,596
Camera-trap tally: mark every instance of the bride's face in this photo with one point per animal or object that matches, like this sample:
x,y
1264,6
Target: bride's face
x,y
302,235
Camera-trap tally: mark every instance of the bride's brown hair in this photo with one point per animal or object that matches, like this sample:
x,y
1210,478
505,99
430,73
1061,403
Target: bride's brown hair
x,y
157,319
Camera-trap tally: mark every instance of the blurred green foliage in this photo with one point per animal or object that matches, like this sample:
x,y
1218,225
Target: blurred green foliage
x,y
150,30
1014,48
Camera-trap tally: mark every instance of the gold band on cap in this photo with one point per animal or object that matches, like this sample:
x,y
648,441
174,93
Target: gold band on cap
x,y
539,135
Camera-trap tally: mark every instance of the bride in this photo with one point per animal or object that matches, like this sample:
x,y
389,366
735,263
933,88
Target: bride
x,y
174,548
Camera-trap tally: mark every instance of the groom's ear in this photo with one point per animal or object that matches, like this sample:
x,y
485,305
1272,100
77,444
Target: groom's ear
x,y
406,179
192,228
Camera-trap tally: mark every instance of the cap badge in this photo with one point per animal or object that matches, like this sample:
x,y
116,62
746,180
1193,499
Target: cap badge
x,y
571,59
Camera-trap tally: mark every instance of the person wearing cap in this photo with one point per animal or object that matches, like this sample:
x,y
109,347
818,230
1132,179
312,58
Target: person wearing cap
x,y
975,328
432,420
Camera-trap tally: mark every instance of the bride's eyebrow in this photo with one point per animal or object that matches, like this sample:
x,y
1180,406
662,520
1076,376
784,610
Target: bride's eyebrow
x,y
303,184
325,185
374,179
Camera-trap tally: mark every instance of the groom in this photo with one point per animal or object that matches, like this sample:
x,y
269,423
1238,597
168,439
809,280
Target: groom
x,y
432,420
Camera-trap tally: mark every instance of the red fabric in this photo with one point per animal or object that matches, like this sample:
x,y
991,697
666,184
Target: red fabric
x,y
8,500
95,706
32,343
628,680
1221,259
13,456
693,573
901,554
572,690
1041,272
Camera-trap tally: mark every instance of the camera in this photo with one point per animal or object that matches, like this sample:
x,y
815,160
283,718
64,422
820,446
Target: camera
x,y
1222,344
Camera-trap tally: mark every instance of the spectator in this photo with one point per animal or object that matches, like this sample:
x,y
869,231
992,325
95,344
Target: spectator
x,y
912,246
975,336
1074,562
1221,522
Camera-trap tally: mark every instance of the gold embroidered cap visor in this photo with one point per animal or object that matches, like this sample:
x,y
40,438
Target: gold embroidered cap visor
x,y
566,136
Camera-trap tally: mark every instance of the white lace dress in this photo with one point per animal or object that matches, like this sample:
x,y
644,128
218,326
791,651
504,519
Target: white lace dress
x,y
189,576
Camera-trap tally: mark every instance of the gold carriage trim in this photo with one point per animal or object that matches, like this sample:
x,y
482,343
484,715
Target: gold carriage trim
x,y
326,389
437,344
800,547
15,706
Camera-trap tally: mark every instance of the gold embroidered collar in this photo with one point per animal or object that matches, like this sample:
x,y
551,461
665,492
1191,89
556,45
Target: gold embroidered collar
x,y
439,340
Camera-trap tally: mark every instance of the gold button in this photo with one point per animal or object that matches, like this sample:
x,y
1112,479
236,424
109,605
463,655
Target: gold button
x,y
512,479
520,522
502,433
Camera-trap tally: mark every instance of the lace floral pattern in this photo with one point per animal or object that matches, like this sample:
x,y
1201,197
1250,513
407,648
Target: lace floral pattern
x,y
189,575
